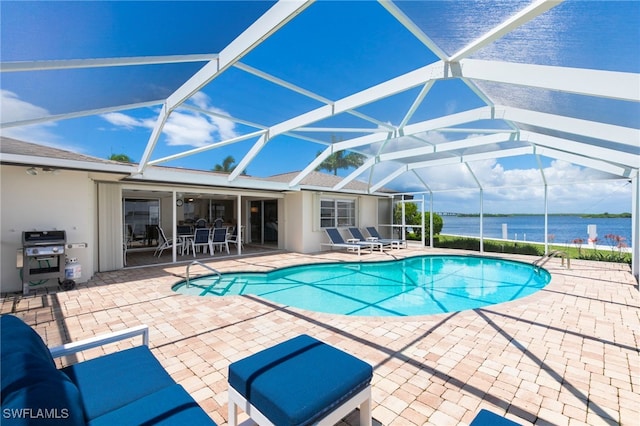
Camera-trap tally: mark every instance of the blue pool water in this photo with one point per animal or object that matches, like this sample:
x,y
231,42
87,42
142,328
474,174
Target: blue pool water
x,y
414,286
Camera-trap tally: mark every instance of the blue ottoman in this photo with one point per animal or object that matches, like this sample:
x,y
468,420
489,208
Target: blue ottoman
x,y
487,418
299,382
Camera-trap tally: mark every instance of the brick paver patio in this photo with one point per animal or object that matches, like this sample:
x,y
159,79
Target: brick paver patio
x,y
567,355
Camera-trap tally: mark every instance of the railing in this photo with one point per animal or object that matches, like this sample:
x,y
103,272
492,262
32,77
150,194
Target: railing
x,y
556,253
195,262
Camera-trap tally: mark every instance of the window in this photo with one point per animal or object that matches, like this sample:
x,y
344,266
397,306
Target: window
x,y
337,213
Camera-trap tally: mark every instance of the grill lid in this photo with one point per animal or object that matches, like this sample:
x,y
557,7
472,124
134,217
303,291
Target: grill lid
x,y
43,238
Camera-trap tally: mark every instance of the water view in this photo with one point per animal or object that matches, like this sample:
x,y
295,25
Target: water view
x,y
561,229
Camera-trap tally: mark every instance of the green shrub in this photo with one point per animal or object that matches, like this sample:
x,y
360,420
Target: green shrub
x,y
515,247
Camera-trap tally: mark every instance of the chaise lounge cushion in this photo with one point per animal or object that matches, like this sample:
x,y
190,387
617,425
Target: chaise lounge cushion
x,y
100,380
169,406
299,381
32,389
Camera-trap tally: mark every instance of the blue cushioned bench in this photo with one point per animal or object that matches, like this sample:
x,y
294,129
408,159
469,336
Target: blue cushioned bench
x,y
128,387
299,382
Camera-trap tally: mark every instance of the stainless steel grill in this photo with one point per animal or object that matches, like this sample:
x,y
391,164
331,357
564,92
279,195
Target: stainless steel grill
x,y
43,258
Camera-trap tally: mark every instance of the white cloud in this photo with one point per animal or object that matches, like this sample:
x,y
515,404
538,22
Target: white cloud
x,y
571,189
185,127
119,119
15,109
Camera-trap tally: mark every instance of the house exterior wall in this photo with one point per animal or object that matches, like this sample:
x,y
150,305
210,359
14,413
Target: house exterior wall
x,y
63,200
302,219
295,217
68,200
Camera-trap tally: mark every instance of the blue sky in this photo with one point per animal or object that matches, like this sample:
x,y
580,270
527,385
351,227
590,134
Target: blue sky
x,y
333,49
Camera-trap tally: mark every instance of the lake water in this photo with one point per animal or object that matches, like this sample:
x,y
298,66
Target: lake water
x,y
564,229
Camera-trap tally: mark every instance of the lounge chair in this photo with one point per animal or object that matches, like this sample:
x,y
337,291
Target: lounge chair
x,y
165,243
358,237
234,238
393,242
338,242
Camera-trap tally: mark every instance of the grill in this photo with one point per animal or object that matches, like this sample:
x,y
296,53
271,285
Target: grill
x,y
43,258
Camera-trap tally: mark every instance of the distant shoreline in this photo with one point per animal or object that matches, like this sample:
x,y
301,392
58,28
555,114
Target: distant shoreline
x,y
583,215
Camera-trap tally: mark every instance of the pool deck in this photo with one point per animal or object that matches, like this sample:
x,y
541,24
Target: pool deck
x,y
567,355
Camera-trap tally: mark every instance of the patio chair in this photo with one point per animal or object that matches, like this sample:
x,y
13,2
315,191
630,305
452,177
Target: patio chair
x,y
357,235
164,242
393,242
300,381
338,242
219,239
235,238
201,239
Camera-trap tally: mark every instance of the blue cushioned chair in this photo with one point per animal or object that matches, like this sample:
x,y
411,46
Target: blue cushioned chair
x,y
301,381
128,387
338,242
394,243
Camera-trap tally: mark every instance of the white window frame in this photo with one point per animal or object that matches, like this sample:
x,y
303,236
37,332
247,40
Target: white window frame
x,y
337,209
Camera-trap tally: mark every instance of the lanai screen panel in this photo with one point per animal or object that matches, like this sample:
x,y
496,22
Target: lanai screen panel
x,y
49,31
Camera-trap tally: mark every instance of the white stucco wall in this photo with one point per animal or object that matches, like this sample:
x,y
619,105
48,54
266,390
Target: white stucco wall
x,y
64,200
303,232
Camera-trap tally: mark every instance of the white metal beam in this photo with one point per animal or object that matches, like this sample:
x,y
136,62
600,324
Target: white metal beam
x,y
280,82
224,116
482,113
102,62
522,17
272,20
579,160
416,103
635,225
472,157
206,148
78,114
357,172
255,149
592,129
341,130
388,178
588,151
447,146
453,119
372,94
413,28
153,139
606,84
312,165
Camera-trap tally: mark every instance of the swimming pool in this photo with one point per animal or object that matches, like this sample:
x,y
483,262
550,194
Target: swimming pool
x,y
413,286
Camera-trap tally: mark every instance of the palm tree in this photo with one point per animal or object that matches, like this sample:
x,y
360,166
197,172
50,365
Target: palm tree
x,y
340,160
228,165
